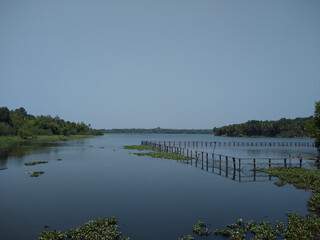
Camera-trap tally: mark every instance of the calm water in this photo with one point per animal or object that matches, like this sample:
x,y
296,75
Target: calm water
x,y
152,198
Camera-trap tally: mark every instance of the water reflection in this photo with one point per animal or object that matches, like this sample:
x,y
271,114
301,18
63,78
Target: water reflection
x,y
19,150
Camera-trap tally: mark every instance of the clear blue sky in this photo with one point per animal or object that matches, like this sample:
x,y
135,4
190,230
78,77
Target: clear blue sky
x,y
168,63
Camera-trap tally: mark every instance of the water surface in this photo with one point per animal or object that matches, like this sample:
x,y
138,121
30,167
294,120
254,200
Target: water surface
x,y
152,198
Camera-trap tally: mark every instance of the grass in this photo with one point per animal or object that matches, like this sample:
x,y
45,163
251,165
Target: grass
x,y
308,179
37,174
164,155
6,141
35,163
138,147
102,229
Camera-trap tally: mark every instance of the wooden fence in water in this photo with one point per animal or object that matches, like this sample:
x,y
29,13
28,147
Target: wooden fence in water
x,y
238,144
234,167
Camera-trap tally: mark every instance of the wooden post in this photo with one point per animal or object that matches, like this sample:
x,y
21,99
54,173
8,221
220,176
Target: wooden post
x,y
196,158
285,162
239,169
226,166
202,159
191,156
269,162
234,163
300,160
212,162
220,164
254,164
207,167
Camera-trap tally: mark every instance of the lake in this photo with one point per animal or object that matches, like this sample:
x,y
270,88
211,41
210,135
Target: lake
x,y
152,198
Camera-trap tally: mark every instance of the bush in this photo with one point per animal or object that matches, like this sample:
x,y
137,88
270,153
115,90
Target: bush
x,y
6,129
25,134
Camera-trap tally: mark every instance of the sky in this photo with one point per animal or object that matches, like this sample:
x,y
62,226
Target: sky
x,y
169,63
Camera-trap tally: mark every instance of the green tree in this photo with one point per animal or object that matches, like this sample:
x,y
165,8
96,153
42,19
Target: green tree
x,y
313,125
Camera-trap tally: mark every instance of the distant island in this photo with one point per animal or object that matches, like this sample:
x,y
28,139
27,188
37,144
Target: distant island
x,y
19,123
288,128
158,131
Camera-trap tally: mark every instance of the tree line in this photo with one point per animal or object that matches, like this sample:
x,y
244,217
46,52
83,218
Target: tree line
x,y
280,128
19,122
158,131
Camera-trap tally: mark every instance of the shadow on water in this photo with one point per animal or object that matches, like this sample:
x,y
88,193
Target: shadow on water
x,y
20,150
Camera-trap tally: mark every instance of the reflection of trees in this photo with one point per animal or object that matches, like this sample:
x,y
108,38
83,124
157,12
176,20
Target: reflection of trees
x,y
22,149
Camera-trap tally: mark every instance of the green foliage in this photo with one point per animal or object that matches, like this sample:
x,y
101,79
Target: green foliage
x,y
6,129
301,178
19,122
281,128
200,229
138,147
35,163
313,126
188,237
164,155
36,174
54,235
25,134
102,229
298,227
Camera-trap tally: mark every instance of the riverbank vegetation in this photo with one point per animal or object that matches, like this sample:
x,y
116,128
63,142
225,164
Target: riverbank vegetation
x,y
19,123
158,131
281,128
313,125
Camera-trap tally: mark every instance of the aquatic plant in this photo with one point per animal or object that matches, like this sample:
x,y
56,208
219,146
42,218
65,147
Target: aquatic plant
x,y
199,229
138,147
188,237
36,174
4,168
35,163
54,235
59,159
102,229
308,179
164,155
298,227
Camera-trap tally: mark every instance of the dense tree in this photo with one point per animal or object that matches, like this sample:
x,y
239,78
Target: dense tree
x,y
281,128
313,125
19,122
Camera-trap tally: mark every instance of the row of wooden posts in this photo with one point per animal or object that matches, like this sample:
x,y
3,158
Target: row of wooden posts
x,y
236,163
237,144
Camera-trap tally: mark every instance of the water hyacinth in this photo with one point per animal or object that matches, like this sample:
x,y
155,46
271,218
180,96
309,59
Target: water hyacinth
x,y
35,163
101,229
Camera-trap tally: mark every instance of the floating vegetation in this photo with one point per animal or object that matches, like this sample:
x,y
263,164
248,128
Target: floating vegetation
x,y
4,168
59,159
102,229
188,237
200,229
298,228
36,174
308,179
138,147
165,155
35,163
